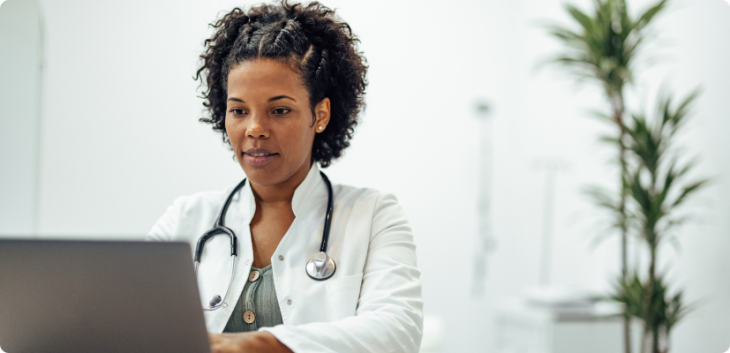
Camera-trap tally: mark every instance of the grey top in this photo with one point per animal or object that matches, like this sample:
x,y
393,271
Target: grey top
x,y
259,298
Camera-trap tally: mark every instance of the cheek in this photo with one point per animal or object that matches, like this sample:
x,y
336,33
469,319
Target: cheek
x,y
300,139
231,131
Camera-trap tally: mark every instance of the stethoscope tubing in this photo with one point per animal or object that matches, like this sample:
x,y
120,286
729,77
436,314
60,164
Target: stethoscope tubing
x,y
328,215
220,228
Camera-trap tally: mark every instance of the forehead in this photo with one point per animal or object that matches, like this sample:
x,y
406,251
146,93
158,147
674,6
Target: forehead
x,y
264,77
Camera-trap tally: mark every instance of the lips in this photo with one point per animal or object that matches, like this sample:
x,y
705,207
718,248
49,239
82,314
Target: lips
x,y
259,156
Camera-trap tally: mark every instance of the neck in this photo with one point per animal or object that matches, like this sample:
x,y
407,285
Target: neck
x,y
282,192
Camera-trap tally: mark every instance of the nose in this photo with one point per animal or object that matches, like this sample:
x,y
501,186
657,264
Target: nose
x,y
257,127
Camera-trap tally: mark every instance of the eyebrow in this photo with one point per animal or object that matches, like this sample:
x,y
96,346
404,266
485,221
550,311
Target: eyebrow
x,y
270,99
280,97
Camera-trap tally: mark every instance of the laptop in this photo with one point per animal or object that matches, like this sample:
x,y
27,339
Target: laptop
x,y
99,296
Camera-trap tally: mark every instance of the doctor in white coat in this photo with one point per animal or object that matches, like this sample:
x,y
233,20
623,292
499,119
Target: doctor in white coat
x,y
284,85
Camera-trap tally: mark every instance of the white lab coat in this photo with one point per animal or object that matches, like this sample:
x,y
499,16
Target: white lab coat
x,y
372,303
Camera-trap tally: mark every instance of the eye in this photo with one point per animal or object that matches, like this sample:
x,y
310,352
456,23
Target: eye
x,y
236,111
280,111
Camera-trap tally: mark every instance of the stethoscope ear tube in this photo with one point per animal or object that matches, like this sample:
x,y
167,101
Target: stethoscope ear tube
x,y
222,215
213,232
328,216
220,227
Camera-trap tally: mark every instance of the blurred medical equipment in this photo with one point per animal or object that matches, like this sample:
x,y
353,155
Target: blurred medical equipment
x,y
485,239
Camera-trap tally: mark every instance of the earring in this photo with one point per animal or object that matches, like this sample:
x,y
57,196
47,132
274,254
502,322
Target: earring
x,y
320,128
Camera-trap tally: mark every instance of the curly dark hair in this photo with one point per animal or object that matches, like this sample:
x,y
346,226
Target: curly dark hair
x,y
311,40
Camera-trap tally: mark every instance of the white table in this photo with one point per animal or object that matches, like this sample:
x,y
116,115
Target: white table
x,y
524,328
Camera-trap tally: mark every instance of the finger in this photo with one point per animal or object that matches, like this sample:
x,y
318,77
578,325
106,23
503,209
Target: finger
x,y
217,346
223,346
214,338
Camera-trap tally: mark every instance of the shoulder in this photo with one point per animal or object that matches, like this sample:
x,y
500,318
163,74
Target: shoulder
x,y
351,193
356,195
187,204
187,213
380,208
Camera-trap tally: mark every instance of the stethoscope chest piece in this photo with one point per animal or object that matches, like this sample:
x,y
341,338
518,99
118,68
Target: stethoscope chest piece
x,y
321,266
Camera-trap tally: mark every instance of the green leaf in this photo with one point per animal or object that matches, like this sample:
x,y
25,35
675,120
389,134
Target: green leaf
x,y
609,139
584,20
608,118
688,190
649,14
602,198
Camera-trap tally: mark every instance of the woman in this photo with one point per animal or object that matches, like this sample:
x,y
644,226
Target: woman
x,y
284,86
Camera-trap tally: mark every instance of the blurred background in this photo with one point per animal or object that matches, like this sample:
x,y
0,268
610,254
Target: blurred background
x,y
487,151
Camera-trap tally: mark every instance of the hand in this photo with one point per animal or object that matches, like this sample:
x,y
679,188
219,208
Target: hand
x,y
245,342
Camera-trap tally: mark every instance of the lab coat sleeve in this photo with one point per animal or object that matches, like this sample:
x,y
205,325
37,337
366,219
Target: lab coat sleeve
x,y
389,315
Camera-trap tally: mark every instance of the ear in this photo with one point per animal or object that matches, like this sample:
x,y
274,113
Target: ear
x,y
322,111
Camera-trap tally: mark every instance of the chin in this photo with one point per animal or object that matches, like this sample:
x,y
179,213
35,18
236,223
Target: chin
x,y
265,175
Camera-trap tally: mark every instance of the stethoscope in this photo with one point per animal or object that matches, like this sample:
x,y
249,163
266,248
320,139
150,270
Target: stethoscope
x,y
320,267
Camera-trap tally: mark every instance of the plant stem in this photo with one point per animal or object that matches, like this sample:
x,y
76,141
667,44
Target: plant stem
x,y
650,293
618,113
617,102
652,238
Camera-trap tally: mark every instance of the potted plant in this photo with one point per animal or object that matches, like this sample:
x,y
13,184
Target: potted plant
x,y
657,188
604,48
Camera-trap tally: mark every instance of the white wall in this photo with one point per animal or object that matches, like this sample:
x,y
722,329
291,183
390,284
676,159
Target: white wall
x,y
21,48
121,139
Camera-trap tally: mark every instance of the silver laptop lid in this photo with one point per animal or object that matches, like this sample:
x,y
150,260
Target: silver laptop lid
x,y
99,296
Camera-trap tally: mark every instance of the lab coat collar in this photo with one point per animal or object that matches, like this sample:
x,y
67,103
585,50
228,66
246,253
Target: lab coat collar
x,y
302,195
304,192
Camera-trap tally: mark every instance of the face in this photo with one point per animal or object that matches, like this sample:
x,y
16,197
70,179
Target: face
x,y
270,123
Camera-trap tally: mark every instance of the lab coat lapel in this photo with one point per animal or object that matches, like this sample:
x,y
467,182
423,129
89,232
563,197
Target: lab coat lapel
x,y
300,243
